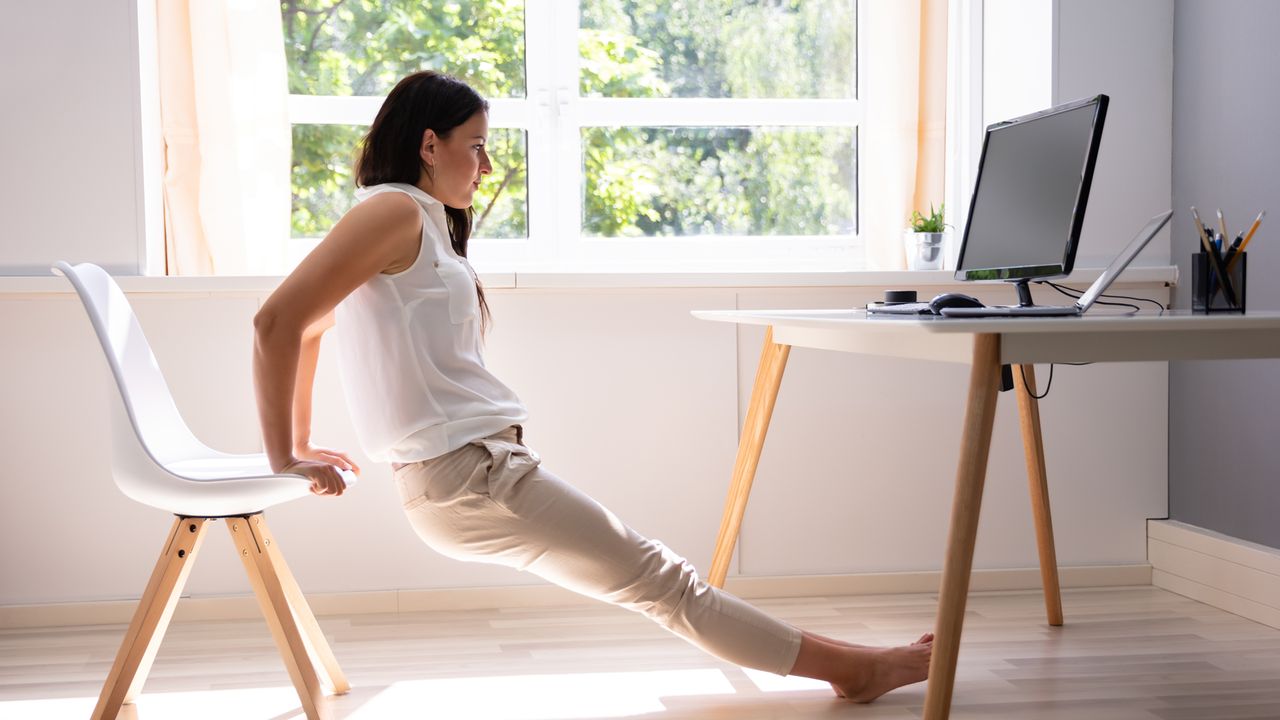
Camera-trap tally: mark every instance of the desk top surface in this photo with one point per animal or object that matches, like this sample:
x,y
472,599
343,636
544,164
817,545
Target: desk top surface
x,y
1093,322
1095,337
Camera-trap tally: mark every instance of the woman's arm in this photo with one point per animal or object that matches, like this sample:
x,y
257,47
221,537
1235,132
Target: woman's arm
x,y
377,234
309,354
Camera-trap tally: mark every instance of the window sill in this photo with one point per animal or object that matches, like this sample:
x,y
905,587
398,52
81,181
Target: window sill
x,y
1163,275
593,279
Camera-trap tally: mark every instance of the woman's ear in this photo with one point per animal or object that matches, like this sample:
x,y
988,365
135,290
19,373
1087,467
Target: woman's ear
x,y
427,149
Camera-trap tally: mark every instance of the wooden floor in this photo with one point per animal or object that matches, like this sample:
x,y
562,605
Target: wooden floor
x,y
1125,653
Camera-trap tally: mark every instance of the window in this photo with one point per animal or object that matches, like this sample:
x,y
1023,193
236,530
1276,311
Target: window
x,y
663,132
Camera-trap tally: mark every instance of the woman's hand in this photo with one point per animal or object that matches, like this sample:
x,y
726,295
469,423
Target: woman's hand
x,y
307,451
320,465
325,478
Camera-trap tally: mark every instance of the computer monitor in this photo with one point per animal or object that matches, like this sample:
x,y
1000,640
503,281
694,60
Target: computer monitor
x,y
1030,195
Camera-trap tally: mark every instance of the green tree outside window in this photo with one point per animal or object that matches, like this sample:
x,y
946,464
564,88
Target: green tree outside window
x,y
637,181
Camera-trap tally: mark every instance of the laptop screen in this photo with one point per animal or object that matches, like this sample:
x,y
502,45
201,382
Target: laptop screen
x,y
1122,260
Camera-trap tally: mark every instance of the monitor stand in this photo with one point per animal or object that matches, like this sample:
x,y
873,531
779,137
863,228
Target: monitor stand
x,y
1023,287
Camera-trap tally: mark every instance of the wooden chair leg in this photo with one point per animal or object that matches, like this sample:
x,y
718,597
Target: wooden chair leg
x,y
269,589
975,446
773,360
151,619
1024,378
317,645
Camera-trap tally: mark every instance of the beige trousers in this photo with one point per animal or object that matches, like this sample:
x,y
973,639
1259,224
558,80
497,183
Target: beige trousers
x,y
490,501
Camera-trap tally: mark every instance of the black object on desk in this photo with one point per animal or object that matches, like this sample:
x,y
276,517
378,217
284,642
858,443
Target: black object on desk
x,y
1209,293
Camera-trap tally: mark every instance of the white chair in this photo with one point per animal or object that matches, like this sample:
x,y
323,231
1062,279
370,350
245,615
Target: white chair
x,y
157,461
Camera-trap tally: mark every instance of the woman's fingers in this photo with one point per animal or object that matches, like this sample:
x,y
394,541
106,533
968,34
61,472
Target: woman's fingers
x,y
349,464
329,483
352,463
324,476
335,457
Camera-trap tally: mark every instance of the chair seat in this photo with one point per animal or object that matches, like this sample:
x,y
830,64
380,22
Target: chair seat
x,y
221,484
224,467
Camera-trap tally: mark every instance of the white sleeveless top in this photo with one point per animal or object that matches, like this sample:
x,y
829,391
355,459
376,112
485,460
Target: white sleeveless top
x,y
410,352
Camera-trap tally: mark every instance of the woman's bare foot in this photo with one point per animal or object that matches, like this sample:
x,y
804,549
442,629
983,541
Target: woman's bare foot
x,y
923,638
861,673
876,671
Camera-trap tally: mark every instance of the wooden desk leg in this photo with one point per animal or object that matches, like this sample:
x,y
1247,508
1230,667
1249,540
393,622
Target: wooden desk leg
x,y
984,380
773,360
1024,377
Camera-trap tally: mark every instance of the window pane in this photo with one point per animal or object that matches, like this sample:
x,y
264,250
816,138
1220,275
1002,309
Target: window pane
x,y
719,181
363,47
324,181
502,203
718,48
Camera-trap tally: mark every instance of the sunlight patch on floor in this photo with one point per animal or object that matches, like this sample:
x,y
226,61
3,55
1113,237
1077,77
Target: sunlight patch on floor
x,y
271,702
542,697
561,696
768,682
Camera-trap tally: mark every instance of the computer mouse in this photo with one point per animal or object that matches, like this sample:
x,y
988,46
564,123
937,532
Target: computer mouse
x,y
950,300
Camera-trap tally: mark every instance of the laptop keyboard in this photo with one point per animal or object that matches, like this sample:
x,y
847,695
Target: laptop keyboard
x,y
914,308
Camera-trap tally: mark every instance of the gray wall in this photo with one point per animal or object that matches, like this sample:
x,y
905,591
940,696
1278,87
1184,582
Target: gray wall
x,y
1224,444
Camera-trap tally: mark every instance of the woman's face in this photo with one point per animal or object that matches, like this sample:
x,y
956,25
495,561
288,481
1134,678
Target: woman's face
x,y
457,162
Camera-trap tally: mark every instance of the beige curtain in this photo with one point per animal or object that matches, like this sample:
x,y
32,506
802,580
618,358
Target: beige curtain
x,y
901,145
224,117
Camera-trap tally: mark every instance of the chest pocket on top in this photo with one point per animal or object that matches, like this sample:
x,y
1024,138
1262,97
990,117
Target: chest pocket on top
x,y
463,303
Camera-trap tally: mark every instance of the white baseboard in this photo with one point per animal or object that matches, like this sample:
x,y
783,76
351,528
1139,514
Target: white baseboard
x,y
1228,573
391,601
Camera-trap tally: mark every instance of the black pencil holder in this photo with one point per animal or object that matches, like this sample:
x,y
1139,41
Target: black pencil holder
x,y
1208,293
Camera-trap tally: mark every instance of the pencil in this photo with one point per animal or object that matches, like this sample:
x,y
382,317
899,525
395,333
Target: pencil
x,y
1252,229
1204,234
1215,262
1247,237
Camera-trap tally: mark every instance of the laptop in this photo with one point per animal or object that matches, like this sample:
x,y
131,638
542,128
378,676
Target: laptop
x,y
1090,296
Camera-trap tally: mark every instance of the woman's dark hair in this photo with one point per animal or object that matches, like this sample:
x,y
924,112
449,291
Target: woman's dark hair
x,y
389,151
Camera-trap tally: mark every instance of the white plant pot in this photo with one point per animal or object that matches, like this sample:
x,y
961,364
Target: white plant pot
x,y
925,251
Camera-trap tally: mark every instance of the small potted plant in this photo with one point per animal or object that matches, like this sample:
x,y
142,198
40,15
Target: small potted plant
x,y
924,239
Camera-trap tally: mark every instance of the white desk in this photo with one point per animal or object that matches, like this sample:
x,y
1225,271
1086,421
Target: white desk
x,y
985,344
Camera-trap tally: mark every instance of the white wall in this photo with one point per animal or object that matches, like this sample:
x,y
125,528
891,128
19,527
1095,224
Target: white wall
x,y
1017,58
631,398
69,135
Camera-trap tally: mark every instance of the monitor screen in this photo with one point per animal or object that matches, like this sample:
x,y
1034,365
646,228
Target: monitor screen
x,y
1030,194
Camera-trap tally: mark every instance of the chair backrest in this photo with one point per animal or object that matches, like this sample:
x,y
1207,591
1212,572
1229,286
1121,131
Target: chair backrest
x,y
146,404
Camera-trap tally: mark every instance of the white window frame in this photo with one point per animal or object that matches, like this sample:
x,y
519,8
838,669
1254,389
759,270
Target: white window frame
x,y
552,115
964,113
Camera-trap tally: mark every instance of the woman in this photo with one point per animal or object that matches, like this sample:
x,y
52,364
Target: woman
x,y
393,276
